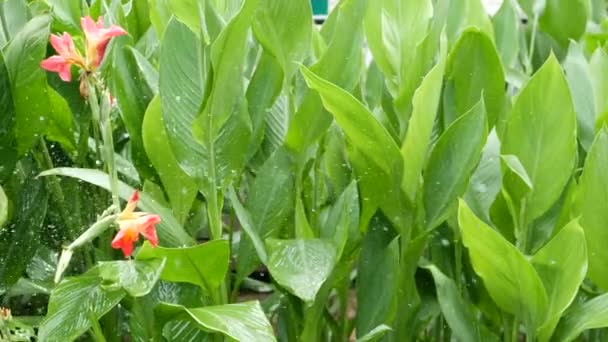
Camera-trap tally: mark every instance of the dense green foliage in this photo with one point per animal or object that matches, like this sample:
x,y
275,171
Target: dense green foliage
x,y
409,170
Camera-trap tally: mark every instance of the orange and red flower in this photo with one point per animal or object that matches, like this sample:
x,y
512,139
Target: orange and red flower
x,y
67,55
133,223
97,38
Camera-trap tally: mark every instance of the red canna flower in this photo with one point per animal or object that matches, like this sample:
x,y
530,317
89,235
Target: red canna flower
x,y
67,55
133,223
97,39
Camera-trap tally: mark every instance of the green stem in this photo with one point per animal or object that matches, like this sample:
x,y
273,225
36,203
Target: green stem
x,y
96,331
514,330
532,42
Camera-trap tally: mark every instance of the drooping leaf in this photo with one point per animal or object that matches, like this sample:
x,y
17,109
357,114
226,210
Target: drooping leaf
x,y
515,166
508,276
301,266
589,201
473,70
375,334
204,265
170,232
541,133
592,314
451,163
457,312
241,321
562,266
74,304
180,188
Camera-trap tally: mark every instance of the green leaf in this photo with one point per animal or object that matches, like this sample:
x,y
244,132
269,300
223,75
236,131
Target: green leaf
x,y
562,266
375,334
506,28
74,304
284,28
15,15
66,15
358,124
464,14
377,276
589,315
28,81
180,188
513,163
564,20
204,265
137,278
223,128
486,181
509,278
541,133
578,75
3,208
598,68
241,322
8,143
301,266
418,139
184,72
21,239
60,123
271,202
128,85
589,204
457,312
451,163
247,225
170,232
474,70
340,64
394,30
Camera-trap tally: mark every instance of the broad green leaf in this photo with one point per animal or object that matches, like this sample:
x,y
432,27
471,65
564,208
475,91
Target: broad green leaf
x,y
513,163
15,15
59,121
8,143
377,276
180,188
589,201
457,312
592,314
183,75
340,64
271,203
464,14
486,180
137,278
394,29
598,67
246,224
473,70
508,276
562,266
301,266
66,15
564,20
128,86
579,78
3,208
284,28
223,127
204,265
452,162
74,304
242,321
28,81
200,16
541,132
358,124
21,238
425,102
170,232
506,28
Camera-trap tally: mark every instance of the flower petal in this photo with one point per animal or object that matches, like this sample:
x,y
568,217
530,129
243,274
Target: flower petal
x,y
147,228
127,213
59,65
126,236
88,26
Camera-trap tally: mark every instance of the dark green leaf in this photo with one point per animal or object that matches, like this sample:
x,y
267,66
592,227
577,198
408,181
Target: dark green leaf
x,y
590,315
137,278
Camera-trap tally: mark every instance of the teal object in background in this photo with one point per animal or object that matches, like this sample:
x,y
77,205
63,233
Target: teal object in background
x,y
320,7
